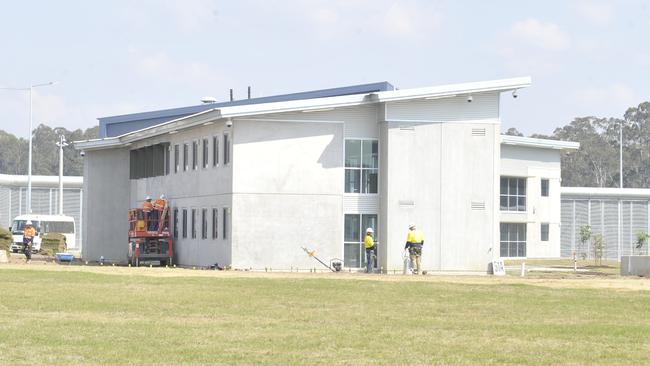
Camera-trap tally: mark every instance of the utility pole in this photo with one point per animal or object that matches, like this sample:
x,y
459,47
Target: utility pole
x,y
620,155
61,144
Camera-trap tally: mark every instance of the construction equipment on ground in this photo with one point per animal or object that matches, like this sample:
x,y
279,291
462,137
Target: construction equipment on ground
x,y
334,266
149,237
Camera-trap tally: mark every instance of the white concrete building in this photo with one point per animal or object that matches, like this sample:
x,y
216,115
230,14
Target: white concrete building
x,y
251,182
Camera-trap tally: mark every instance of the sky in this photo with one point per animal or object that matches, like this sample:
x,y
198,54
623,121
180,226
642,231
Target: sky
x,y
586,58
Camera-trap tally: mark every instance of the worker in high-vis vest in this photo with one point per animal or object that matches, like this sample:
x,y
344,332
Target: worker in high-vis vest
x,y
28,240
414,243
369,244
158,207
147,208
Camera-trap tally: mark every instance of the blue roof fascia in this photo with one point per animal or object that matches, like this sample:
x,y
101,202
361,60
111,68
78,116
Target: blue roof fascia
x,y
184,111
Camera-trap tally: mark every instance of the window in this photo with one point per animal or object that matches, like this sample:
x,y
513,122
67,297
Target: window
x,y
205,155
184,223
204,223
226,149
195,155
354,255
215,223
215,150
193,223
544,234
513,194
361,166
544,187
186,149
167,164
177,161
175,223
224,217
147,161
513,240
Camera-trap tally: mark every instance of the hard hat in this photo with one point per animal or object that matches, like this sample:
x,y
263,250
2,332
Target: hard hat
x,y
370,230
412,226
29,222
162,196
147,198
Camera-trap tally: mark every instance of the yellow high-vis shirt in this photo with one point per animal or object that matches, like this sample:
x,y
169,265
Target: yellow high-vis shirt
x,y
415,237
368,242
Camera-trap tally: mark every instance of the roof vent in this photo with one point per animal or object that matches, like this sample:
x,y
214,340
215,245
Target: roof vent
x,y
208,100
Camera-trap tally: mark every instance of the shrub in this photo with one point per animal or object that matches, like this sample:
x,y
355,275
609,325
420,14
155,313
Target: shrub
x,y
52,243
5,239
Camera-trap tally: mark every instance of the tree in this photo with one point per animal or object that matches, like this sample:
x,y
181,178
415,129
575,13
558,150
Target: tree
x,y
585,236
513,132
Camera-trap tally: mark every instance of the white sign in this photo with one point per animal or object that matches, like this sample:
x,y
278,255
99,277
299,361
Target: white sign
x,y
498,269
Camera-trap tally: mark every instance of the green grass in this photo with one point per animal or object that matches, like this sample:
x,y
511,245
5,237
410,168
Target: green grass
x,y
79,318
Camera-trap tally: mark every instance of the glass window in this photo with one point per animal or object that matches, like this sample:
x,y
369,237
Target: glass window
x,y
186,157
544,234
177,161
184,223
205,155
513,239
215,150
353,153
167,164
361,166
226,149
544,187
193,223
355,226
215,223
195,155
204,223
175,223
224,228
513,194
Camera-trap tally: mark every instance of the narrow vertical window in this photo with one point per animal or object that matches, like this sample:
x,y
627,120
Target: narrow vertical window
x,y
226,149
215,151
544,233
193,218
205,155
167,155
195,155
177,161
175,223
186,157
224,229
544,187
215,223
184,223
204,223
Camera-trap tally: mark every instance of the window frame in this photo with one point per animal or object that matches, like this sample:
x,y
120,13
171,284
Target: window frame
x,y
359,171
224,219
215,150
547,192
517,196
363,224
175,213
195,154
215,223
186,158
177,158
521,245
193,221
184,227
545,228
226,148
205,156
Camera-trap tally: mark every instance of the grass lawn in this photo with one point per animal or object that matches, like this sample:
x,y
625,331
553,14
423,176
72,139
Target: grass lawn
x,y
90,315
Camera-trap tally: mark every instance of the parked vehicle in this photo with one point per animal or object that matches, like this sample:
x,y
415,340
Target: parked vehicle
x,y
43,224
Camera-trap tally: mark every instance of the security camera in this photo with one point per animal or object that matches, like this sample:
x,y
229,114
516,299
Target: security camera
x,y
228,123
82,153
469,99
515,94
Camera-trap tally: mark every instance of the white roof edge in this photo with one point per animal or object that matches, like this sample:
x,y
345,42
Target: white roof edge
x,y
307,104
605,192
539,143
41,180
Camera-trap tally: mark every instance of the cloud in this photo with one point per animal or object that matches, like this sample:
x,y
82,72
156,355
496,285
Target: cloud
x,y
162,69
547,36
617,94
599,13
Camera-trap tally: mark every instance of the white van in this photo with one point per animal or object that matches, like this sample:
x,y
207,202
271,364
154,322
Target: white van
x,y
43,224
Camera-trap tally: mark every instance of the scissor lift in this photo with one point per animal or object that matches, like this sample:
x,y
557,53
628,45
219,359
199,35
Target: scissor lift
x,y
149,238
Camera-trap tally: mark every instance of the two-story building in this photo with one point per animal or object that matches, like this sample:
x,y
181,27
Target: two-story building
x,y
251,182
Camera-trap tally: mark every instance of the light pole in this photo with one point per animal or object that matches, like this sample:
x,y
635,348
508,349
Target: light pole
x,y
61,144
620,154
29,154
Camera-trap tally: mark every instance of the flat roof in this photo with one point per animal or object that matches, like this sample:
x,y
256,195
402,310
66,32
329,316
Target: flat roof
x,y
41,181
215,112
596,192
539,143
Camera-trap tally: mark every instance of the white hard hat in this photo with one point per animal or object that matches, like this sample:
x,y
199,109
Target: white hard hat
x,y
370,230
29,222
412,226
147,198
162,196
